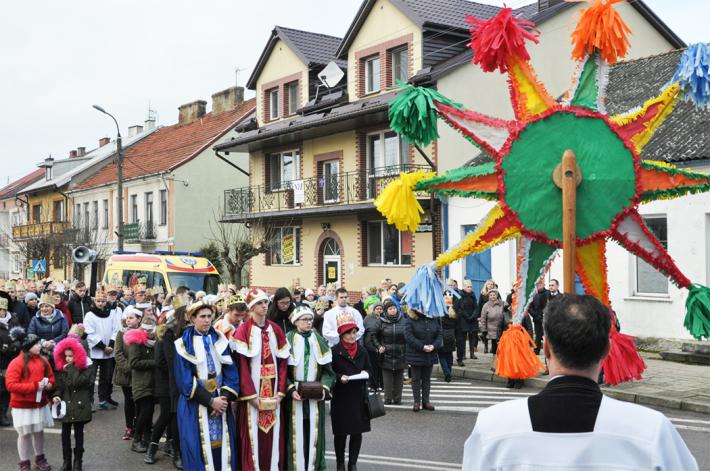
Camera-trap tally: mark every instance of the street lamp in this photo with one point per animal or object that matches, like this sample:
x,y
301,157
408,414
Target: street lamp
x,y
119,166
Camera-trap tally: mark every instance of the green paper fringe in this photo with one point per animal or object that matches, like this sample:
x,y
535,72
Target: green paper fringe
x,y
654,195
458,174
413,113
697,311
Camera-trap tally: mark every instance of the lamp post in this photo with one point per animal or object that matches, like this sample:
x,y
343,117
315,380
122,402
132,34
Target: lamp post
x,y
119,165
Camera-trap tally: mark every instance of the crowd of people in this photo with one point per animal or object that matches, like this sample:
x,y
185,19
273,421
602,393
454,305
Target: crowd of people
x,y
239,378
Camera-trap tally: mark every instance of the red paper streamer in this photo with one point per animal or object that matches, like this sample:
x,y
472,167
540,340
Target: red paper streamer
x,y
497,39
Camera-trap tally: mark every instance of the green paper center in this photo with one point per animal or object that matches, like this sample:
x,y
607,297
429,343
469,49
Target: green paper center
x,y
608,175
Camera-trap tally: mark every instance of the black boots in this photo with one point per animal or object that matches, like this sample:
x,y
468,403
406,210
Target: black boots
x,y
177,461
138,445
4,420
150,454
78,459
66,460
352,466
340,466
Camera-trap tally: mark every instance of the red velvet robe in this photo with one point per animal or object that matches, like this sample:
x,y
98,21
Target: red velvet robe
x,y
263,362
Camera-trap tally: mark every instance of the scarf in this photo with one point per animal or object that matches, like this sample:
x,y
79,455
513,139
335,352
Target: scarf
x,y
351,348
6,320
50,318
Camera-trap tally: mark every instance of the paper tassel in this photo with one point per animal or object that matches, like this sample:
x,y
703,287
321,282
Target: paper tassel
x,y
694,74
425,292
601,28
697,311
398,202
515,356
623,362
413,114
496,40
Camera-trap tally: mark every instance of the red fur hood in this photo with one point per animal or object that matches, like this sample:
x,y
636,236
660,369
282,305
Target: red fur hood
x,y
139,336
72,344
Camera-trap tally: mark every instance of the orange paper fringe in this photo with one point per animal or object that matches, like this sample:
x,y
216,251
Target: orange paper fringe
x,y
601,27
515,356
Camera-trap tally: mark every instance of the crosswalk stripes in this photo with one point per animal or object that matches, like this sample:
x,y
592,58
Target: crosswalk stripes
x,y
461,396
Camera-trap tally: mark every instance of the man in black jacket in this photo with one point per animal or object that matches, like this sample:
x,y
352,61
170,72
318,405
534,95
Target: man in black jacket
x,y
79,303
467,315
536,308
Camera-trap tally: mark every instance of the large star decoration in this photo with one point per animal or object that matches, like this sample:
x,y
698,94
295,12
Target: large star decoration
x,y
526,151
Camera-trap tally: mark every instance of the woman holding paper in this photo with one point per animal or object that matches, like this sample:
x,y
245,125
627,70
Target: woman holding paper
x,y
28,378
348,410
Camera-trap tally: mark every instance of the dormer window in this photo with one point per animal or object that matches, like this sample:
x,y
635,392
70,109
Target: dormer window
x,y
400,64
292,97
372,74
274,104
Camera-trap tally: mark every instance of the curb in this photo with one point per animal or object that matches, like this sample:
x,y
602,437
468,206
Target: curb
x,y
619,394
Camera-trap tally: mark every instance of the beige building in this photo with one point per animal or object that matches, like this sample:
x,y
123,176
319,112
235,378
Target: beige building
x,y
320,153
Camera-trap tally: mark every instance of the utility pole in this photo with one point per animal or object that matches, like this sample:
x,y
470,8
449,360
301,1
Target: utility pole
x,y
119,166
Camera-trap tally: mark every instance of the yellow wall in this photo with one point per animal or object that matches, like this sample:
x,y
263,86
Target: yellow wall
x,y
384,22
282,62
354,275
47,199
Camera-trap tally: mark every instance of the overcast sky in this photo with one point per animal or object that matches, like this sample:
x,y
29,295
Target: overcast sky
x,y
59,58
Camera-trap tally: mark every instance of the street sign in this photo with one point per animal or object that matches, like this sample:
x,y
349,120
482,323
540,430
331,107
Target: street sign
x,y
39,266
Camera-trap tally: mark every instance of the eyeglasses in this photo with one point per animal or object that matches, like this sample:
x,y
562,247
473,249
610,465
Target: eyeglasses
x,y
306,319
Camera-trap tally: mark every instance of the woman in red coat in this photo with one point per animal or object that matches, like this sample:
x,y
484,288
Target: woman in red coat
x,y
28,378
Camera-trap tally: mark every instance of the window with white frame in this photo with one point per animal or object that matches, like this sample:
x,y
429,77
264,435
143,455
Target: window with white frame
x,y
273,103
386,153
95,218
16,263
292,96
149,208
163,207
386,245
372,74
284,167
104,223
87,220
286,248
77,215
650,281
134,208
400,64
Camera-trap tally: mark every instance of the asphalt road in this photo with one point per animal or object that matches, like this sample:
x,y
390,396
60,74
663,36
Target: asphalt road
x,y
402,440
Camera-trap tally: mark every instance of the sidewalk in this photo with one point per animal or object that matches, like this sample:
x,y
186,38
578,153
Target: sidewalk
x,y
664,383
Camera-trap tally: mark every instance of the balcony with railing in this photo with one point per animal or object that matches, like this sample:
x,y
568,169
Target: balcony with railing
x,y
40,229
327,193
139,232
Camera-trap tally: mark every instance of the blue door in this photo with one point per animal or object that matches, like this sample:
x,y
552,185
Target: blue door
x,y
478,266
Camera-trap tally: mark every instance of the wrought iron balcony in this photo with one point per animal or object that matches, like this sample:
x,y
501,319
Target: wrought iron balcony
x,y
41,229
139,231
338,189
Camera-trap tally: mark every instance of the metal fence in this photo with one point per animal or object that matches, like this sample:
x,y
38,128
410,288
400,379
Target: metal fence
x,y
338,189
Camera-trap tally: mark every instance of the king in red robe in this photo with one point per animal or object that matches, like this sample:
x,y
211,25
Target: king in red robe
x,y
263,356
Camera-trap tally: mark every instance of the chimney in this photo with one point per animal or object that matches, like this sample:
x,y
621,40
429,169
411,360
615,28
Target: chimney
x,y
103,141
227,100
149,124
81,151
192,111
135,130
73,153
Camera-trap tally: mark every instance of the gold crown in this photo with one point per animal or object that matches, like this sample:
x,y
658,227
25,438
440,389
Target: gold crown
x,y
46,298
344,317
3,303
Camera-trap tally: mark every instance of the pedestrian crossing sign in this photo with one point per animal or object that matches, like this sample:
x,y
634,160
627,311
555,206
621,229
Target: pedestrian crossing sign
x,y
39,266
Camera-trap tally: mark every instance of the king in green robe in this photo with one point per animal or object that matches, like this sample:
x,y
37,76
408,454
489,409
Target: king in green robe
x,y
310,360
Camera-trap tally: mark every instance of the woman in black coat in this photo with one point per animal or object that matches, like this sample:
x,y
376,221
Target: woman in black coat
x,y
423,338
280,308
448,343
388,340
348,409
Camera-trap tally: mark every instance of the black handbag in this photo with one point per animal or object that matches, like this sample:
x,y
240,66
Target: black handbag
x,y
375,405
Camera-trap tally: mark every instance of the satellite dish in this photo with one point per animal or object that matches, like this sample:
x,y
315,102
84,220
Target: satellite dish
x,y
331,75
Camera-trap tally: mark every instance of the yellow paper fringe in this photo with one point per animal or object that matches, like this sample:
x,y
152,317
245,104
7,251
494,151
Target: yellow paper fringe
x,y
534,98
398,202
474,242
667,99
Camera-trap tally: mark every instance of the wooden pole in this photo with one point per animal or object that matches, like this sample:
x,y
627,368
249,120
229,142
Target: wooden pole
x,y
570,179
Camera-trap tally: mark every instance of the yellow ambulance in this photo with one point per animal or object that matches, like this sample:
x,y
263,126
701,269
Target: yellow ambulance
x,y
160,270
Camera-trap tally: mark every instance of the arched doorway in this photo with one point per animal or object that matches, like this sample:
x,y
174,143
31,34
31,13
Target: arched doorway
x,y
330,262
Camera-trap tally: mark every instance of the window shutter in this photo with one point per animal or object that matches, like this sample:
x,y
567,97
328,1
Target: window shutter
x,y
267,173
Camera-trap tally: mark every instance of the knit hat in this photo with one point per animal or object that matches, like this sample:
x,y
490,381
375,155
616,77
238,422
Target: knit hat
x,y
254,296
132,310
27,341
299,312
30,296
47,298
345,322
309,292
